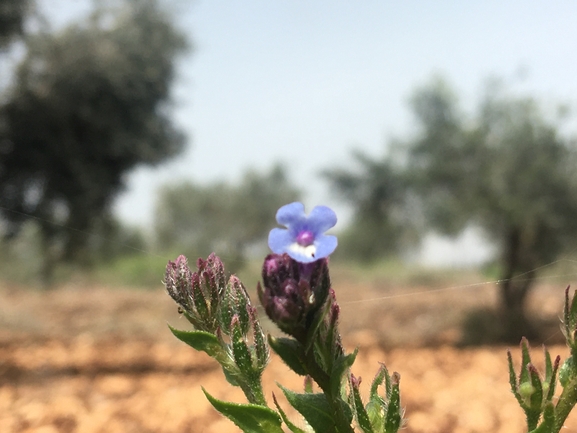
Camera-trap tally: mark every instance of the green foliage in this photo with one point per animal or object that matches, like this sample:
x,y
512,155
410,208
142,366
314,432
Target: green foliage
x,y
88,104
505,168
225,218
12,17
250,418
508,170
384,220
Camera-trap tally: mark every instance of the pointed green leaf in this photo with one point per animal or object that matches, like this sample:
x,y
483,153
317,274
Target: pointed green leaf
x,y
382,375
340,367
566,371
291,352
513,379
553,379
573,311
360,412
394,417
200,340
250,418
525,360
313,407
536,399
293,428
260,345
315,325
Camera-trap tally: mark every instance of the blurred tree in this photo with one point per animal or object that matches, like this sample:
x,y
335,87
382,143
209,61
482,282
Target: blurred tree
x,y
88,104
229,220
12,15
507,170
384,220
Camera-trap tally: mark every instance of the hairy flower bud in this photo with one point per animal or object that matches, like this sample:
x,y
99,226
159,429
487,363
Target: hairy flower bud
x,y
197,293
293,292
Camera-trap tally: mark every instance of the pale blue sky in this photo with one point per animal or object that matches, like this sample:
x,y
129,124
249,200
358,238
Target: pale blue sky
x,y
306,81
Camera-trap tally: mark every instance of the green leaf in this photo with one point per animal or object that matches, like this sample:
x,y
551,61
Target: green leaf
x,y
573,311
250,418
200,340
393,419
313,407
291,352
342,364
513,379
525,360
361,413
293,428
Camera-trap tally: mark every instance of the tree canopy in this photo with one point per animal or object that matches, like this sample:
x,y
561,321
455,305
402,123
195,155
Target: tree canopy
x,y
12,16
505,168
88,104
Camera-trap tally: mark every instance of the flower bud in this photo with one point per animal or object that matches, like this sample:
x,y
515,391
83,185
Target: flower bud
x,y
293,292
197,293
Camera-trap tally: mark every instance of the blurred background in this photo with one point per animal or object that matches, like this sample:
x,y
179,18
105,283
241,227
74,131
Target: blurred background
x,y
442,134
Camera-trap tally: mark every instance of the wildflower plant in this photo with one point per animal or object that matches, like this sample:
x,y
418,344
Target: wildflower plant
x,y
535,393
297,296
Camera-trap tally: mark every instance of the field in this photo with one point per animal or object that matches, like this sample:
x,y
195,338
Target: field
x,y
87,358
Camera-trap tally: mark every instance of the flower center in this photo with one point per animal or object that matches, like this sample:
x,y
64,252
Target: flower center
x,y
305,238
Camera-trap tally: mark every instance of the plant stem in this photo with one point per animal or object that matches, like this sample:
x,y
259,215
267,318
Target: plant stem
x,y
566,402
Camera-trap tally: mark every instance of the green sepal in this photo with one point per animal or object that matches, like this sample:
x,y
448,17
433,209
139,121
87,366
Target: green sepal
x,y
536,399
241,303
376,407
566,372
525,360
313,407
260,345
513,379
342,364
250,418
313,329
360,411
293,428
548,423
394,418
202,307
573,311
291,352
552,378
240,350
201,341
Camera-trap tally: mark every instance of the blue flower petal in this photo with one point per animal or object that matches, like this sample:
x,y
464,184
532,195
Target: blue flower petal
x,y
292,214
325,246
321,219
279,240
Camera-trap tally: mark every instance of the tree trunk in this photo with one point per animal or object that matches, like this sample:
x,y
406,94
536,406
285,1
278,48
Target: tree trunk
x,y
517,280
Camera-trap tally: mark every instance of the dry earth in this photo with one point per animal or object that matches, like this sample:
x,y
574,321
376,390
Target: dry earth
x,y
99,360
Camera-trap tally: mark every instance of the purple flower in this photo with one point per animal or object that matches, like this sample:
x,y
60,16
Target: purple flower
x,y
303,239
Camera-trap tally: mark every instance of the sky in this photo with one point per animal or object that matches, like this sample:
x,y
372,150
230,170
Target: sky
x,y
305,82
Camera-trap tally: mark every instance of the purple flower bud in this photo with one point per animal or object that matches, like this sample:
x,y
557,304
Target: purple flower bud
x,y
293,292
197,293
